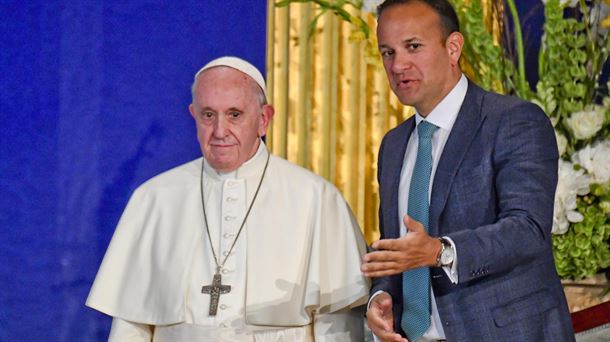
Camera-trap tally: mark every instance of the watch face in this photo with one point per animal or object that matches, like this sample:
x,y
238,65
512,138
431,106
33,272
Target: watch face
x,y
447,256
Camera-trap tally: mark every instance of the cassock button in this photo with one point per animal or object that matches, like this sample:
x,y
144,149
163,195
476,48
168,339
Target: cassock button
x,y
227,235
231,199
229,218
223,325
223,307
225,271
225,253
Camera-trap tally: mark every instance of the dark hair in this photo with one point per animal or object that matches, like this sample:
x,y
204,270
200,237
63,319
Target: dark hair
x,y
449,19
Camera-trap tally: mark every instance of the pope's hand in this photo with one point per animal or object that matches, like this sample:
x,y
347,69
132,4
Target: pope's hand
x,y
394,256
381,320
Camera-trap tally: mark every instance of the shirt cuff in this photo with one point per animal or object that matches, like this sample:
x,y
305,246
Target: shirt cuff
x,y
371,298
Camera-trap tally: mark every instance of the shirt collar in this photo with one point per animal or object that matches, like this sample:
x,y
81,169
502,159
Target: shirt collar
x,y
446,111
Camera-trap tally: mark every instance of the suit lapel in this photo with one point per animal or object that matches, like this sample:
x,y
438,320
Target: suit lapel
x,y
394,158
464,130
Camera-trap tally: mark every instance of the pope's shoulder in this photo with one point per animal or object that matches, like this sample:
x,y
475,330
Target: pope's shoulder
x,y
185,175
299,176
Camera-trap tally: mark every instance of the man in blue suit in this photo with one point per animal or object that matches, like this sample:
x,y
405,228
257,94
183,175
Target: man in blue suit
x,y
467,187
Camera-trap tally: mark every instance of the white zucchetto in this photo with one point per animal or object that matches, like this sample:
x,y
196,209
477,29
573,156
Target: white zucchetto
x,y
240,65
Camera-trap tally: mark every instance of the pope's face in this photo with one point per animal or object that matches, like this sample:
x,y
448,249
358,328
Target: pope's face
x,y
420,63
229,117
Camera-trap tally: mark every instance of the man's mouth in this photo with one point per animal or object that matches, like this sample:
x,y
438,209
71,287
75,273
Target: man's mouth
x,y
405,83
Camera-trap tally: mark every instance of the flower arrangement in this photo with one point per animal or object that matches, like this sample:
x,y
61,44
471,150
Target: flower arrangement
x,y
574,48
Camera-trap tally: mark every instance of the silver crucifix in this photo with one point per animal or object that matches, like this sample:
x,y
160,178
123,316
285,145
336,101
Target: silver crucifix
x,y
215,290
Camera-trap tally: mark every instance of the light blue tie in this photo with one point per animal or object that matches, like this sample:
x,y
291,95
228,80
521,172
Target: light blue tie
x,y
415,318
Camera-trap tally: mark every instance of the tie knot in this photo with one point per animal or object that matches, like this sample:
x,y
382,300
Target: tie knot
x,y
426,129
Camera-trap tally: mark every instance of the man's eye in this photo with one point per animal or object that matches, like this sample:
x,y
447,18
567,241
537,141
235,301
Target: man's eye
x,y
207,115
234,114
386,53
413,46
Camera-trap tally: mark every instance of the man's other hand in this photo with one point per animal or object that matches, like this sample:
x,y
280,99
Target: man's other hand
x,y
381,320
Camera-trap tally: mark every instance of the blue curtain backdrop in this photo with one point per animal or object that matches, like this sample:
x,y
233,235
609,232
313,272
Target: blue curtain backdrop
x,y
93,101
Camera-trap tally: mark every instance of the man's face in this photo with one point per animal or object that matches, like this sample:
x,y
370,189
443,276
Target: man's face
x,y
229,117
421,66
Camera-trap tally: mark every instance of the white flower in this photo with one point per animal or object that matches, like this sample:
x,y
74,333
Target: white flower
x,y
586,123
370,5
562,143
596,160
569,3
570,184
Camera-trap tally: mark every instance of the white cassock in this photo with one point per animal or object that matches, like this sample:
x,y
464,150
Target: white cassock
x,y
294,271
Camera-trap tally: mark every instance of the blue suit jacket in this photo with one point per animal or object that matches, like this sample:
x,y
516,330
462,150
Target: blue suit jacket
x,y
493,194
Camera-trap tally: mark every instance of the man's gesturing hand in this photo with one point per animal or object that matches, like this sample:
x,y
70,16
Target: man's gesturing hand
x,y
394,256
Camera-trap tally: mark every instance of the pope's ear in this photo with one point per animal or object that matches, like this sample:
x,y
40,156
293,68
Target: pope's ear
x,y
454,44
192,110
267,114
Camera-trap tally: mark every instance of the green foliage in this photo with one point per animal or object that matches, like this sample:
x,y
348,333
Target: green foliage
x,y
488,65
583,250
564,80
361,31
337,8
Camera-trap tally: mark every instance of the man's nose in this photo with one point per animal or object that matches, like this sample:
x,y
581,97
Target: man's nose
x,y
402,62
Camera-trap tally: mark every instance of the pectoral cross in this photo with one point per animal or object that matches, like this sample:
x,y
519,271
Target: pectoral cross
x,y
215,290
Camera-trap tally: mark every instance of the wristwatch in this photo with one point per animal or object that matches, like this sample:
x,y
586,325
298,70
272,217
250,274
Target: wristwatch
x,y
446,255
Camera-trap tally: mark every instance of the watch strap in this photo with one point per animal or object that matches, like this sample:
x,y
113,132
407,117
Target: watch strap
x,y
440,253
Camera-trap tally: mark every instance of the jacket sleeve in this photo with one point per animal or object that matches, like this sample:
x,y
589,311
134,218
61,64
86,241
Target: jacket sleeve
x,y
523,178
